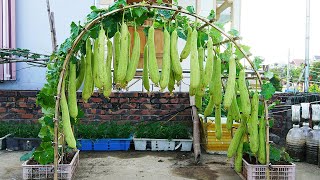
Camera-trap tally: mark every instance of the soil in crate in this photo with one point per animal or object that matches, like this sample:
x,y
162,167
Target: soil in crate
x,y
66,160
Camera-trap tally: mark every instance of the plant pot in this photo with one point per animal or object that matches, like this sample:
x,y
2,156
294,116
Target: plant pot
x,y
116,144
65,171
143,144
24,144
3,142
85,144
253,172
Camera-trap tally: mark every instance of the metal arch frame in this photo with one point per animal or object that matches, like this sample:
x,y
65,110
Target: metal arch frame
x,y
177,9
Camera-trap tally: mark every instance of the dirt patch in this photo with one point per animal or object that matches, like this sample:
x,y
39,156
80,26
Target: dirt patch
x,y
201,172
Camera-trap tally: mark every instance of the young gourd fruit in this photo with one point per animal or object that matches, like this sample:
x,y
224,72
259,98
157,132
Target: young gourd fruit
x,y
187,48
229,95
88,79
123,57
80,77
209,109
217,122
238,157
175,62
135,56
194,62
262,141
145,74
244,95
254,134
72,91
216,84
166,61
209,64
234,144
116,56
107,89
153,64
65,116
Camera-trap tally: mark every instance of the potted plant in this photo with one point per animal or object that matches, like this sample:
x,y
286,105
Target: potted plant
x,y
157,136
281,166
104,137
4,133
39,163
23,136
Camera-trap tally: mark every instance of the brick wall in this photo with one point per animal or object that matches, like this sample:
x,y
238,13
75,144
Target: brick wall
x,y
128,106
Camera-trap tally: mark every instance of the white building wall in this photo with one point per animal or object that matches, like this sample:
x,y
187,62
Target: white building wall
x,y
33,32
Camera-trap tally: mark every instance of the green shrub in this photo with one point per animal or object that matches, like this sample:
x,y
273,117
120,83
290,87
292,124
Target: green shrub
x,y
157,130
104,130
22,130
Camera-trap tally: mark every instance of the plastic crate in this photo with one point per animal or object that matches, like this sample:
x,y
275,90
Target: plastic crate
x,y
65,171
208,135
279,172
85,144
143,144
24,144
117,144
3,143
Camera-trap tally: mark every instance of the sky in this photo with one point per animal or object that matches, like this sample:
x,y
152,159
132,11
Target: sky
x,y
272,27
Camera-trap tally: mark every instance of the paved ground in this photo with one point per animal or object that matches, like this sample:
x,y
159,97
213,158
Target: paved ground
x,y
146,165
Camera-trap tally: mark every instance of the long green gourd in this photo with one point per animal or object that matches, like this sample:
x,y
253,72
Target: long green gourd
x,y
145,74
254,135
166,61
153,64
229,94
116,56
88,80
186,50
238,157
244,95
65,116
107,89
135,56
123,58
217,122
175,62
72,91
262,141
216,82
80,78
209,64
194,62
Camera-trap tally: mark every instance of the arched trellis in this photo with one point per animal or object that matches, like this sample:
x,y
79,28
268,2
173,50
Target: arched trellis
x,y
176,9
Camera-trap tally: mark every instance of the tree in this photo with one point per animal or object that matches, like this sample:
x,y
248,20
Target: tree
x,y
276,82
315,71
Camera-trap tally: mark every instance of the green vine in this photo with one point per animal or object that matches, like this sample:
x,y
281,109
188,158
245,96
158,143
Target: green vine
x,y
136,16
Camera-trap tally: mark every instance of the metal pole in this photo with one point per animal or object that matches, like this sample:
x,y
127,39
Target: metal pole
x,y
307,42
288,71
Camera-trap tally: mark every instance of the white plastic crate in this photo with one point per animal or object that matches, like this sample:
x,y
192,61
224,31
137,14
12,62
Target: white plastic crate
x,y
279,172
143,144
65,171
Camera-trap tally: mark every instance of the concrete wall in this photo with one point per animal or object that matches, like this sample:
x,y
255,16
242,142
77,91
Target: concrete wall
x,y
33,32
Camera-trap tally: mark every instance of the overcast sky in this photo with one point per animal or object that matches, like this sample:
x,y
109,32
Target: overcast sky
x,y
271,27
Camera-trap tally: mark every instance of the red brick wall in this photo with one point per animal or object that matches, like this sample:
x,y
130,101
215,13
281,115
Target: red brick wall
x,y
128,106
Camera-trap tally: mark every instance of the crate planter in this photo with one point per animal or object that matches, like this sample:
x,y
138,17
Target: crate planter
x,y
114,144
85,144
143,144
65,171
24,144
253,172
3,142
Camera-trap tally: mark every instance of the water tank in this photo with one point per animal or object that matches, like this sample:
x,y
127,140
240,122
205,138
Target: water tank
x,y
313,145
295,143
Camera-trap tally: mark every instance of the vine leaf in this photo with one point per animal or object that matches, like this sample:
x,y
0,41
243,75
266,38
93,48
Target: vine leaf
x,y
257,62
268,74
234,32
212,14
268,90
190,9
238,53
